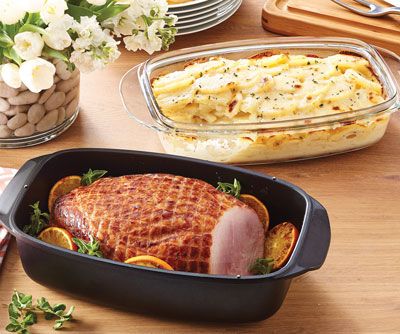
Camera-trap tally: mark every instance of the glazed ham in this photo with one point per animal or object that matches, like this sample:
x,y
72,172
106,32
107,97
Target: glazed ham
x,y
185,222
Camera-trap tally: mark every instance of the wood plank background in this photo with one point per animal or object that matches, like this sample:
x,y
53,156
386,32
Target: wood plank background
x,y
358,288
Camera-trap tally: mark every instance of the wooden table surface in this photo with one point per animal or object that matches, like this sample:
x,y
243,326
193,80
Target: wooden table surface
x,y
358,288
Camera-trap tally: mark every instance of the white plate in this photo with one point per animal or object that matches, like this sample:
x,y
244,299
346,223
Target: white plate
x,y
218,9
221,13
185,4
214,7
211,24
177,11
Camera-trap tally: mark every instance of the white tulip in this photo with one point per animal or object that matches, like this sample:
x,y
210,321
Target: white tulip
x,y
53,10
57,36
28,45
32,6
37,74
57,39
11,11
10,75
97,2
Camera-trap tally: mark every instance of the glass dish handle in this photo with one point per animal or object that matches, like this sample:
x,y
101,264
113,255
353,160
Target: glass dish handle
x,y
133,100
393,62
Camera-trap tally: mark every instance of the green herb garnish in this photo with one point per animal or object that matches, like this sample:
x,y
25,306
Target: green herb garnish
x,y
262,266
55,312
20,313
23,313
39,220
91,176
91,248
230,188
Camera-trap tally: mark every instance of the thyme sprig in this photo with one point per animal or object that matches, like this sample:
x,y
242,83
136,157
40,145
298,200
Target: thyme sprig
x,y
90,248
39,220
262,266
230,188
91,176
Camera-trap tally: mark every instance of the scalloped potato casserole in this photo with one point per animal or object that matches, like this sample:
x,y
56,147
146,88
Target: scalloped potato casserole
x,y
270,87
264,88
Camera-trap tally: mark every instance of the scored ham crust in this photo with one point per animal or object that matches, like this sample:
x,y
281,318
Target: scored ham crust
x,y
183,221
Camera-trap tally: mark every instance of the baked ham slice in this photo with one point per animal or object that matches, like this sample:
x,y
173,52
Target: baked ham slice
x,y
185,222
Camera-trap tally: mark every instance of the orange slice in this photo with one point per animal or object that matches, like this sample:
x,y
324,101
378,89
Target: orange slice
x,y
59,237
62,187
258,207
280,242
149,261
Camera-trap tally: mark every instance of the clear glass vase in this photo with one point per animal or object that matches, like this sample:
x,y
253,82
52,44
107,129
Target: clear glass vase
x,y
28,118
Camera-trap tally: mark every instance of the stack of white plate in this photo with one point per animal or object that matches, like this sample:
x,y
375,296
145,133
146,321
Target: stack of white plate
x,y
198,15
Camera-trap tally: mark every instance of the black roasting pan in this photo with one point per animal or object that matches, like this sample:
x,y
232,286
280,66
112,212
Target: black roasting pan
x,y
153,291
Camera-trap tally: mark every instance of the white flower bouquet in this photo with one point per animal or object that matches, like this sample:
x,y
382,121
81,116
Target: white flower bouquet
x,y
45,41
79,32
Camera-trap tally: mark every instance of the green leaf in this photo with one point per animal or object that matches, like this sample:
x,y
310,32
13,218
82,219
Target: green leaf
x,y
91,176
30,318
81,245
49,52
13,328
12,55
14,321
230,188
77,12
32,28
5,40
262,266
107,4
59,307
43,303
21,301
15,299
35,19
13,311
69,313
25,299
58,324
110,12
11,30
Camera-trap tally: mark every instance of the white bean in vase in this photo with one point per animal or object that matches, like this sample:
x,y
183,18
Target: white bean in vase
x,y
24,113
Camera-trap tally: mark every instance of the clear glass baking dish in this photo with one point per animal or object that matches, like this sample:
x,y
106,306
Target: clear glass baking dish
x,y
265,141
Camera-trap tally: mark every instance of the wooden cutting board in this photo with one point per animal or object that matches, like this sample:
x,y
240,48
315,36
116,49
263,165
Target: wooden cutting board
x,y
325,18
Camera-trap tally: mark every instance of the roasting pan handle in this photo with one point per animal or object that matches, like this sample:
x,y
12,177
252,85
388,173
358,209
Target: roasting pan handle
x,y
14,189
314,249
